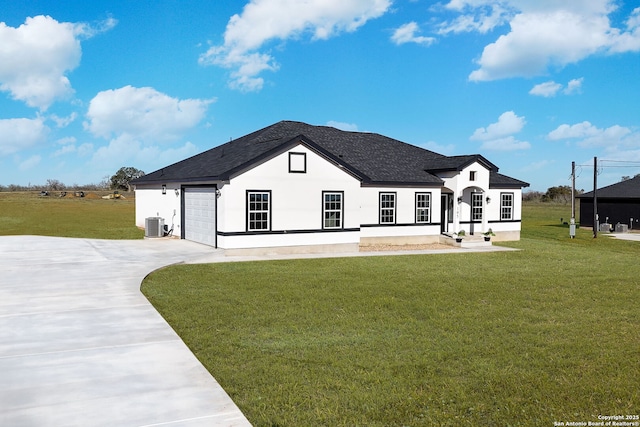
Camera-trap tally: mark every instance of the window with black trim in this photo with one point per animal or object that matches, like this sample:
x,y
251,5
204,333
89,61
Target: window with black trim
x,y
476,206
506,206
423,207
258,210
387,208
297,162
472,175
332,209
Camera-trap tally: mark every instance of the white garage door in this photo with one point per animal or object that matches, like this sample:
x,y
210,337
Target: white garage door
x,y
200,215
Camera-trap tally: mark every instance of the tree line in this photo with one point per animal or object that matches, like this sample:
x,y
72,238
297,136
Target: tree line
x,y
118,181
559,194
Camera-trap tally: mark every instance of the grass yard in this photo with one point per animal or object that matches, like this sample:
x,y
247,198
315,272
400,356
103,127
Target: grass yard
x,y
87,217
547,334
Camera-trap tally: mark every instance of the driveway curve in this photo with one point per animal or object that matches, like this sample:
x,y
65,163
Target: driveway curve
x,y
81,346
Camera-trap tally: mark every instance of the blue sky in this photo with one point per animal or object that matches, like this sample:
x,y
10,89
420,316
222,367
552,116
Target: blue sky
x,y
532,85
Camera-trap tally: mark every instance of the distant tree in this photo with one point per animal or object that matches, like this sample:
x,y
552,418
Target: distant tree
x,y
560,194
120,181
627,177
532,196
55,185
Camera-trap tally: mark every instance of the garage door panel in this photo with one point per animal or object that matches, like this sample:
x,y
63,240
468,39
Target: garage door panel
x,y
200,215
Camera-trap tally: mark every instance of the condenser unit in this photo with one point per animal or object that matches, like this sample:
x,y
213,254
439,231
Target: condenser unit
x,y
154,227
622,228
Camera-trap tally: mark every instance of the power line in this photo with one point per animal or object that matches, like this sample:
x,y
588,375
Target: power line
x,y
622,161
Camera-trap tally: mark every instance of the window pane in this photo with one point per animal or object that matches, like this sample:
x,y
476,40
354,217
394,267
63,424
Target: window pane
x,y
387,208
423,201
476,206
506,206
332,210
258,211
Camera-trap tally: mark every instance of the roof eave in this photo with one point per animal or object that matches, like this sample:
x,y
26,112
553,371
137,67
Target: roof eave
x,y
284,147
402,184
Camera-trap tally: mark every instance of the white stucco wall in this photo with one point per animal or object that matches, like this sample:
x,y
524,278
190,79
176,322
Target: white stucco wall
x,y
509,226
296,203
150,202
462,187
405,228
405,204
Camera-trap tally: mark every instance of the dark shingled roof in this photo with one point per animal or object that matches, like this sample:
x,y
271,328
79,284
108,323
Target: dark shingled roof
x,y
497,180
372,158
628,189
457,163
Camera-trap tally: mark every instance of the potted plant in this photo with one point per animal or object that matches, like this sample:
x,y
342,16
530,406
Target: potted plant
x,y
459,235
488,234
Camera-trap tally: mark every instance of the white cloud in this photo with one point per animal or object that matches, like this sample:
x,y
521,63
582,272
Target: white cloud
x,y
63,122
143,113
543,34
579,130
68,144
36,57
546,89
447,150
509,143
30,163
351,127
589,135
629,41
66,149
262,21
476,16
125,149
499,136
508,123
137,121
67,140
84,149
550,89
407,34
574,86
540,40
20,134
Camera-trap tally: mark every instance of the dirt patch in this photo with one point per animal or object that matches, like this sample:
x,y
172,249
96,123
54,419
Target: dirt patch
x,y
423,247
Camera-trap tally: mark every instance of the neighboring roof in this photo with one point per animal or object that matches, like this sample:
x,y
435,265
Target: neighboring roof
x,y
497,180
628,189
370,157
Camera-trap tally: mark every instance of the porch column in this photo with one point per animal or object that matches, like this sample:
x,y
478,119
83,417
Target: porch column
x,y
456,211
485,213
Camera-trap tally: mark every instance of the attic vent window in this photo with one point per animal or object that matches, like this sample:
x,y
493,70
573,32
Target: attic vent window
x,y
297,162
472,175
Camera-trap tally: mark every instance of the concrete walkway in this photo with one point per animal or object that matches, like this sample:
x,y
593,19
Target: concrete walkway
x,y
81,346
622,236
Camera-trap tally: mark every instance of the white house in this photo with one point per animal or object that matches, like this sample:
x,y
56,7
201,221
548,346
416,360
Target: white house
x,y
302,188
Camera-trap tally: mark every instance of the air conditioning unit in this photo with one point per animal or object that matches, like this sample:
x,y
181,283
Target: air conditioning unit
x,y
605,227
622,228
154,227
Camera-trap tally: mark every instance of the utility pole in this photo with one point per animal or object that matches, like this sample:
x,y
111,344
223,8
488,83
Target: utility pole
x,y
595,197
572,225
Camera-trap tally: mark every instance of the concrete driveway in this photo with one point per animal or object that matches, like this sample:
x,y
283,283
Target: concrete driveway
x,y
81,346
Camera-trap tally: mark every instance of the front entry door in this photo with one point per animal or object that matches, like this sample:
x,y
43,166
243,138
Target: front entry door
x,y
446,212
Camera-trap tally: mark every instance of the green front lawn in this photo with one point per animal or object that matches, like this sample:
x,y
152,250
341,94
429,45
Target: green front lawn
x,y
548,333
26,213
